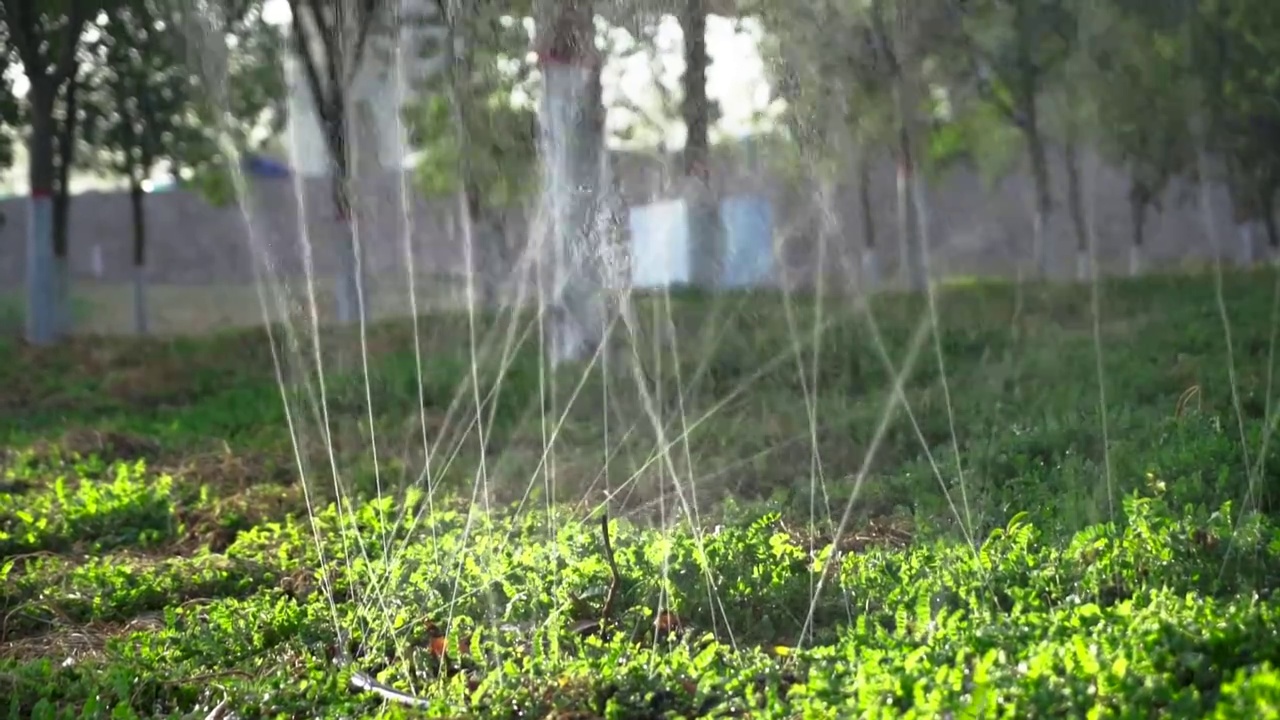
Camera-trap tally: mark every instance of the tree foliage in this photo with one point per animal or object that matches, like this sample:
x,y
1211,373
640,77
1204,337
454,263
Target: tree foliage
x,y
836,96
1249,133
190,84
246,105
470,109
186,87
1143,99
144,95
43,38
10,117
1131,79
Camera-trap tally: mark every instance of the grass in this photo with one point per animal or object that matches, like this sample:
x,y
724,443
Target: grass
x,y
157,556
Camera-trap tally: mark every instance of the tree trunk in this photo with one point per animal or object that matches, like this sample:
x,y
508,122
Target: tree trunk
x,y
348,288
136,202
1244,213
1261,220
1043,192
870,260
326,79
695,109
1138,220
64,152
491,237
1075,206
42,298
912,268
45,73
479,229
487,239
571,146
705,234
829,233
1248,243
61,267
1269,225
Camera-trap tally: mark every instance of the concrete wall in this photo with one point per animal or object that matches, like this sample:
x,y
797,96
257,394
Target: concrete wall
x,y
974,230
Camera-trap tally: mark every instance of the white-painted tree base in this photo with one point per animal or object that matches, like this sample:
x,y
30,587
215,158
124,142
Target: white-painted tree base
x,y
574,175
350,294
871,273
96,260
1247,236
1039,253
1135,261
42,297
1084,270
706,237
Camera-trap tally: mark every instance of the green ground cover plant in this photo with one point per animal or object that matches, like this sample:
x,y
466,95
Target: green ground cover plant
x,y
1021,541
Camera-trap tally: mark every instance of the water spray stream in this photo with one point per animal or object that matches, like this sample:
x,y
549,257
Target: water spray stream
x,y
896,397
1215,241
920,201
830,228
1271,419
692,506
1088,181
1199,131
457,73
668,466
341,498
411,267
362,317
210,63
887,362
712,405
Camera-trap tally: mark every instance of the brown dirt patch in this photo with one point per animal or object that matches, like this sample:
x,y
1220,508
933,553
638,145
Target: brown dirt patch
x,y
230,472
76,643
890,532
110,446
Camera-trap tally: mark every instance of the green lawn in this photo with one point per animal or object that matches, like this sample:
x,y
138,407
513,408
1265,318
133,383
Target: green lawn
x,y
1002,555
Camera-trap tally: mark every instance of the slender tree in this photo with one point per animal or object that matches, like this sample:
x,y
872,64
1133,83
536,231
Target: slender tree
x,y
68,119
848,105
10,111
147,102
1139,79
235,60
1014,50
330,40
1250,132
1227,53
896,32
697,110
477,143
839,108
10,118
